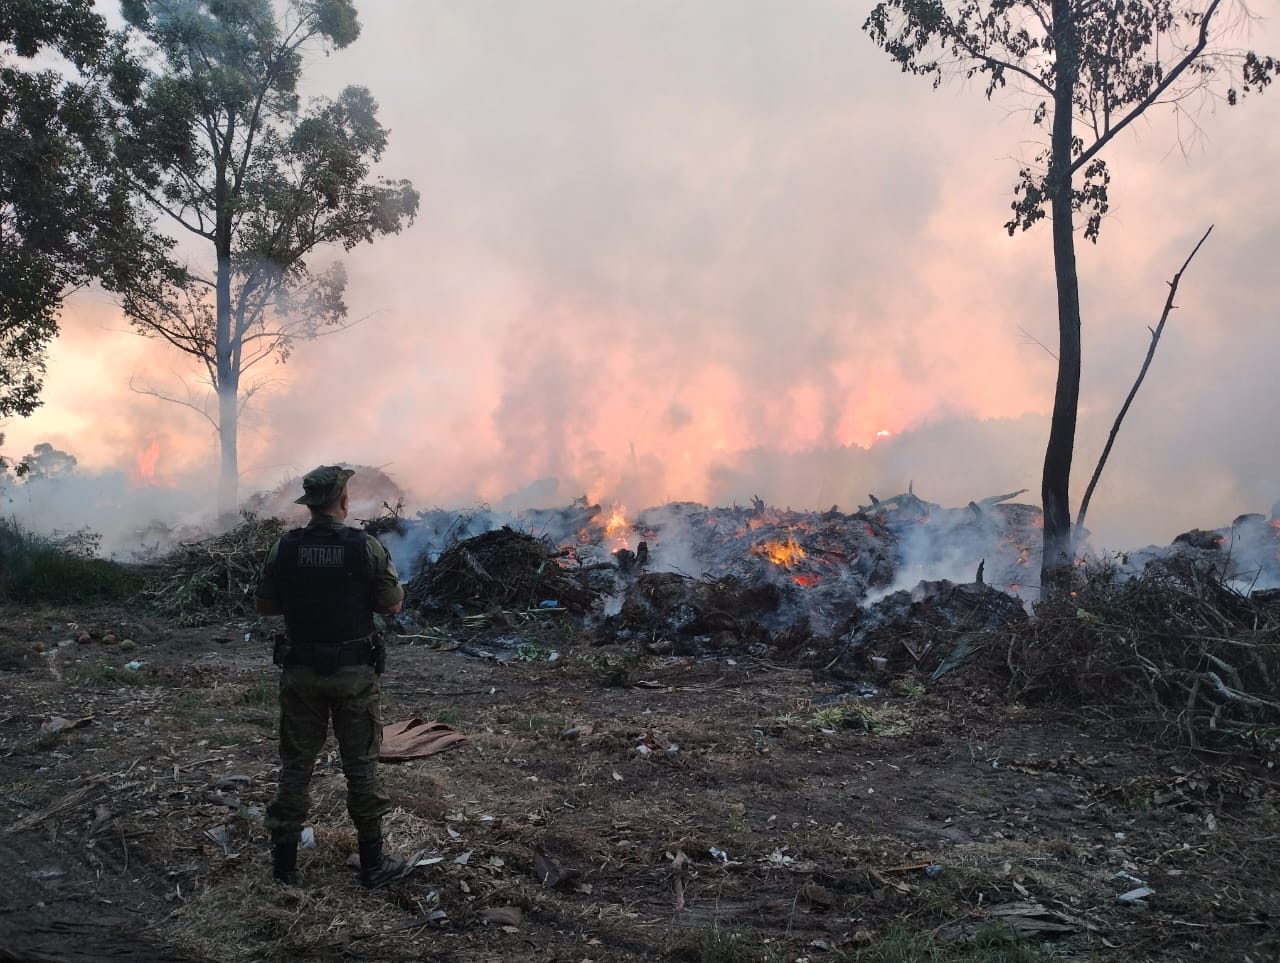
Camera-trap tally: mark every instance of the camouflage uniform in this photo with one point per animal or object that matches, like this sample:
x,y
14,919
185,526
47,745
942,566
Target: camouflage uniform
x,y
312,693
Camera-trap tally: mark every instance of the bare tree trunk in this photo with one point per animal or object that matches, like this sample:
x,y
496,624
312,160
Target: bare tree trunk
x,y
228,375
229,462
1142,374
1056,562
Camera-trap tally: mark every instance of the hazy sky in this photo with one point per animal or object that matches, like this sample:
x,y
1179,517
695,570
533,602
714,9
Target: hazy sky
x,y
674,250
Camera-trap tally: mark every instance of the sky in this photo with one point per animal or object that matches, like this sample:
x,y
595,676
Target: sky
x,y
706,251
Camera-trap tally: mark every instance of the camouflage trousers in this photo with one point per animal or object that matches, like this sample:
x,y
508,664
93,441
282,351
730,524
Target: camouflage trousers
x,y
308,701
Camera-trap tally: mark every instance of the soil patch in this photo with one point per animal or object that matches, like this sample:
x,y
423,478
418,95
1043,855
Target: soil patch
x,y
608,804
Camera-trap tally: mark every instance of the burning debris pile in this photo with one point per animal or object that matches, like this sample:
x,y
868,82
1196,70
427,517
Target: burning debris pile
x,y
901,584
932,629
502,568
687,578
1245,553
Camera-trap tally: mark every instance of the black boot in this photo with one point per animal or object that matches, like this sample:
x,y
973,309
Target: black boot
x,y
376,869
284,863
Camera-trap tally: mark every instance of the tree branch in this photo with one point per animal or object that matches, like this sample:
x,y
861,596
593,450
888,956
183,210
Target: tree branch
x,y
151,392
1137,110
1142,373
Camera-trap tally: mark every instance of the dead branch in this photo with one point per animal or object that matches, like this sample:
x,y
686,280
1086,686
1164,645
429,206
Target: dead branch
x,y
1142,373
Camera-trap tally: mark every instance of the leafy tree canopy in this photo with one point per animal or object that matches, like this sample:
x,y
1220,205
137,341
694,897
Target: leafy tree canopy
x,y
225,150
66,208
1125,56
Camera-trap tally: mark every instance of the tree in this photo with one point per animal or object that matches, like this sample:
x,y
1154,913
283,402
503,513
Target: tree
x,y
260,183
45,461
66,210
1094,66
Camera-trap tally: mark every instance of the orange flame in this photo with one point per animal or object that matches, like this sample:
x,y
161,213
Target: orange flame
x,y
618,528
617,523
144,468
780,553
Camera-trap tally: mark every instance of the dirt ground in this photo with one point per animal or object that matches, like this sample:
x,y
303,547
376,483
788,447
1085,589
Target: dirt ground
x,y
608,807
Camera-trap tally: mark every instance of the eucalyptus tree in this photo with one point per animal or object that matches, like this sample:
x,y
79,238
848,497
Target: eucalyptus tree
x,y
259,182
1089,68
66,210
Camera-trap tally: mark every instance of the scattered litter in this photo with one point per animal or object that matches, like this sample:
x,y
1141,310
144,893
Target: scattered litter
x,y
719,854
933,870
548,873
416,739
504,916
56,724
1129,878
135,665
1024,917
463,859
49,872
220,836
308,840
218,799
1136,895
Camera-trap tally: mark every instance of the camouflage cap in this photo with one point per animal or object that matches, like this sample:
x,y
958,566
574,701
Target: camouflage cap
x,y
322,485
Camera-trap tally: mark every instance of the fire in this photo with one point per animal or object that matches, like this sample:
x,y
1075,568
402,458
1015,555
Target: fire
x,y
617,522
784,554
144,468
617,528
883,433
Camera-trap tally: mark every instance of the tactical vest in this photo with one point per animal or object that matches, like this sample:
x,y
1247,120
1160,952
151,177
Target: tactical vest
x,y
325,582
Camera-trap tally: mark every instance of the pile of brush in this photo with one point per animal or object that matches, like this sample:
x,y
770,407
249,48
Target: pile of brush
x,y
1177,649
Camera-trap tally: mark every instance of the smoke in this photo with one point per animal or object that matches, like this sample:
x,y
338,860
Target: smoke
x,y
704,252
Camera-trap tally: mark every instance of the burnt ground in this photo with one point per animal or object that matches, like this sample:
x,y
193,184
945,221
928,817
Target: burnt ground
x,y
770,815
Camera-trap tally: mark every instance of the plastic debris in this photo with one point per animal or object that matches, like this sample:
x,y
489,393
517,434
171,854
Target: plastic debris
x,y
308,840
933,870
1135,895
221,835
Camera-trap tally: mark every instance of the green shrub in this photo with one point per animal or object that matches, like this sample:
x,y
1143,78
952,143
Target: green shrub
x,y
37,569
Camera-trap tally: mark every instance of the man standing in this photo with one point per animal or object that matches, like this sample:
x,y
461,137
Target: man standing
x,y
328,580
